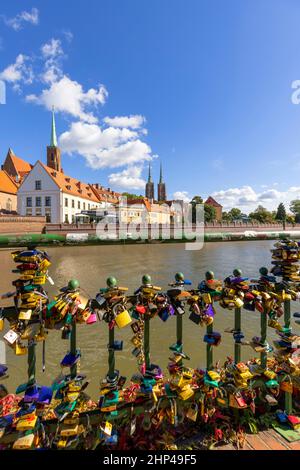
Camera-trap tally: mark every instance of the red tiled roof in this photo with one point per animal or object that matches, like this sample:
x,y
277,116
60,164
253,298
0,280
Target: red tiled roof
x,y
212,202
21,166
71,185
7,185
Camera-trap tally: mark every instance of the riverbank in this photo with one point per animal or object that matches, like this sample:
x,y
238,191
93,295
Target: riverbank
x,y
75,238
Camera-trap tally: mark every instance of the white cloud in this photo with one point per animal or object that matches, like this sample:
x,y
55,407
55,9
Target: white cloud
x,y
19,72
110,147
17,21
68,35
182,196
52,48
130,178
68,96
134,122
247,199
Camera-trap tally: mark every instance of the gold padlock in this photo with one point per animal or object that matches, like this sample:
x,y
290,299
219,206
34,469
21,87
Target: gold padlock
x,y
20,350
25,314
123,319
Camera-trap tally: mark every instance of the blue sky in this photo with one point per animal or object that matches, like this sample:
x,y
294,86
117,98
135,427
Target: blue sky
x,y
205,86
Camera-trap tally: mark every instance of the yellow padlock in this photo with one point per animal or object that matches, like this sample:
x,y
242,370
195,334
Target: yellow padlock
x,y
238,302
1,324
186,393
24,442
25,314
123,319
20,350
206,298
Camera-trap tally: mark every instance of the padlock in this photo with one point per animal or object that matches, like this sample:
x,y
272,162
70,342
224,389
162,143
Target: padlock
x,y
123,319
20,350
192,412
92,319
25,314
24,442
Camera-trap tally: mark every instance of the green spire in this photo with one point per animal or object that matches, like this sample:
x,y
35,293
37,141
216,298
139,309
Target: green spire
x,y
149,175
53,142
160,174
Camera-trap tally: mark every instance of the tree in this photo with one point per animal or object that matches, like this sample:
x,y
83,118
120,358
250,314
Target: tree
x,y
235,213
261,214
132,196
295,206
281,213
290,219
209,213
196,200
226,216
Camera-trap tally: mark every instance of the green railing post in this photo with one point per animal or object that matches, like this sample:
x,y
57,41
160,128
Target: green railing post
x,y
179,330
287,316
111,352
288,397
73,346
209,349
237,327
31,361
263,332
147,342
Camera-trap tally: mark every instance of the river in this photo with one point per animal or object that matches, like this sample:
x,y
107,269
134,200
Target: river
x,y
91,265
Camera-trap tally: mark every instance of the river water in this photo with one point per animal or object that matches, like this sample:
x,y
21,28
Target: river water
x,y
91,265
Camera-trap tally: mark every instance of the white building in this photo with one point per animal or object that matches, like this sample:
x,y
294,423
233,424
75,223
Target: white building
x,y
47,191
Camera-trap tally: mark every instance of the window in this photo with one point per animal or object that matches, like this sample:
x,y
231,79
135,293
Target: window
x,y
73,203
38,185
38,202
28,212
89,206
48,217
73,219
38,212
66,202
84,206
29,202
66,219
48,201
78,204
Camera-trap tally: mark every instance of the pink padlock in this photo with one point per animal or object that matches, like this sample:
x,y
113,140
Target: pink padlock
x,y
92,319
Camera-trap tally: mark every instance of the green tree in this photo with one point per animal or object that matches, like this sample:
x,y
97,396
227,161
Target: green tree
x,y
132,196
295,208
235,213
196,200
261,214
290,219
281,212
226,216
209,213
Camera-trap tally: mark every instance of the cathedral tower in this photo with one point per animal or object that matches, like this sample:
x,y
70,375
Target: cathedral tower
x,y
149,193
161,188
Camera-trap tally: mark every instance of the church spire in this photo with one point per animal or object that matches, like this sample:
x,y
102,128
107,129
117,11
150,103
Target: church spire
x,y
149,175
53,142
160,174
161,187
53,151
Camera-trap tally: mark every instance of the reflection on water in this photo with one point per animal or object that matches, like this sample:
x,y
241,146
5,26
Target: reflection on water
x,y
93,264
